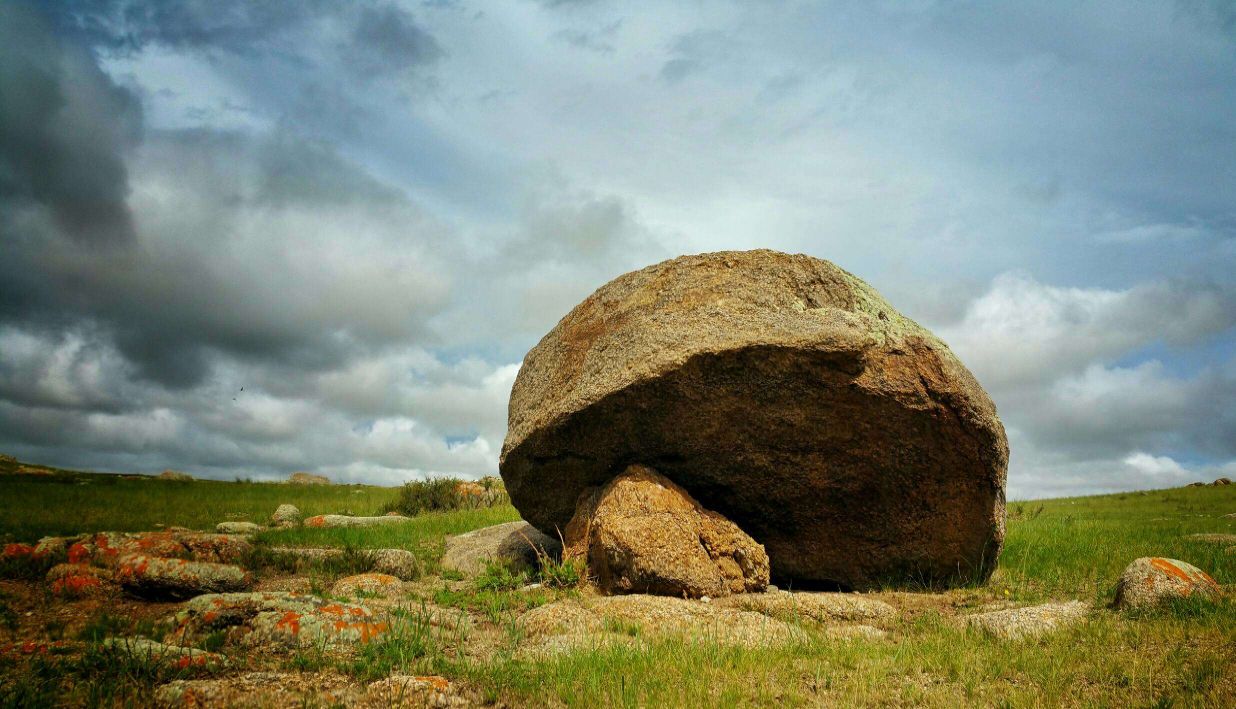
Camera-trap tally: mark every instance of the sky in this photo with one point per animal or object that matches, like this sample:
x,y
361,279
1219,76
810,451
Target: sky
x,y
243,239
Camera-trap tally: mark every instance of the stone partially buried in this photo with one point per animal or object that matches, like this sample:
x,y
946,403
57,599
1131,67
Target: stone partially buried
x,y
781,392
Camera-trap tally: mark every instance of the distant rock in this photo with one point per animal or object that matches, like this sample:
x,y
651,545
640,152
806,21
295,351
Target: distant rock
x,y
1151,580
376,584
308,479
152,577
1030,621
641,533
1222,481
336,521
286,516
1214,538
175,475
238,528
1196,484
513,544
1230,515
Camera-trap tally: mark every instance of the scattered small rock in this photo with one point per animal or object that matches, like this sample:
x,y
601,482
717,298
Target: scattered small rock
x,y
153,577
377,584
335,521
286,516
238,528
1029,622
641,533
1150,580
514,544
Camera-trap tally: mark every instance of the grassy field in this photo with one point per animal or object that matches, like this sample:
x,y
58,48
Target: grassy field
x,y
1180,655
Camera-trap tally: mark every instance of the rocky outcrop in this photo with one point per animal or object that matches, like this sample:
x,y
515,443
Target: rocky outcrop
x,y
1222,481
641,533
1029,622
308,479
513,544
175,476
1149,581
154,577
781,392
107,548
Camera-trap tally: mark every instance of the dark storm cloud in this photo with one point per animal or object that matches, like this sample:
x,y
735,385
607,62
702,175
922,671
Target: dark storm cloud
x,y
386,39
64,131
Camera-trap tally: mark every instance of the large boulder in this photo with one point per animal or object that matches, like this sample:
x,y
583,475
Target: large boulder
x,y
641,533
781,392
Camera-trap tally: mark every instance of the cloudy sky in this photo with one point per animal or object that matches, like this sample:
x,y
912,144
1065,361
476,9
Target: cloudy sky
x,y
249,238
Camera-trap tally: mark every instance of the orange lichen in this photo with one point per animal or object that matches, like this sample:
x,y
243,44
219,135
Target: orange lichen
x,y
290,621
78,553
1167,567
439,683
316,521
15,551
75,585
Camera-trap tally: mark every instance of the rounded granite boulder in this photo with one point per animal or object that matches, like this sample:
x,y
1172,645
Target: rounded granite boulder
x,y
785,394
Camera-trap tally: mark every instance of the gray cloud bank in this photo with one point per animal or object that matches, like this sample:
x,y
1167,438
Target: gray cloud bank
x,y
248,238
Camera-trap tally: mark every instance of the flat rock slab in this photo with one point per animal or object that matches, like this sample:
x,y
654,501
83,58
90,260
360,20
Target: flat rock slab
x,y
781,392
154,577
373,584
646,616
335,521
513,544
146,650
825,608
279,620
1029,622
238,528
107,548
1149,581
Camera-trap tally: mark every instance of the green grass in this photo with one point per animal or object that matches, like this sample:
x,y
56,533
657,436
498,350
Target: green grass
x,y
1181,654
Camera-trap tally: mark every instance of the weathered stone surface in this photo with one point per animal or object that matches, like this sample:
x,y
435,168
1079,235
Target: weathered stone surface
x,y
107,548
238,528
781,392
154,577
276,619
377,584
286,516
146,650
79,580
332,521
816,607
641,533
1151,580
513,544
653,616
1029,622
307,479
399,563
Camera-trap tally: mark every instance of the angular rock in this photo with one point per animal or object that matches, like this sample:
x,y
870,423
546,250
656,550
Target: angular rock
x,y
641,533
153,577
238,528
176,656
286,620
335,521
286,516
781,392
1151,580
513,544
817,607
1029,622
376,584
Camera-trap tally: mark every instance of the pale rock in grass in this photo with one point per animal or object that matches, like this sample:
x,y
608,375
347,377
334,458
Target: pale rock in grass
x,y
154,577
259,689
814,607
1214,538
375,584
513,544
641,533
343,521
175,476
399,563
855,632
286,516
1149,581
1030,621
238,528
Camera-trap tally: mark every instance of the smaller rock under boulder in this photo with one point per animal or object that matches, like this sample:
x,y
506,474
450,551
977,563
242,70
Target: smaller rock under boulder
x,y
1029,622
514,544
641,533
336,521
286,516
153,577
1151,580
